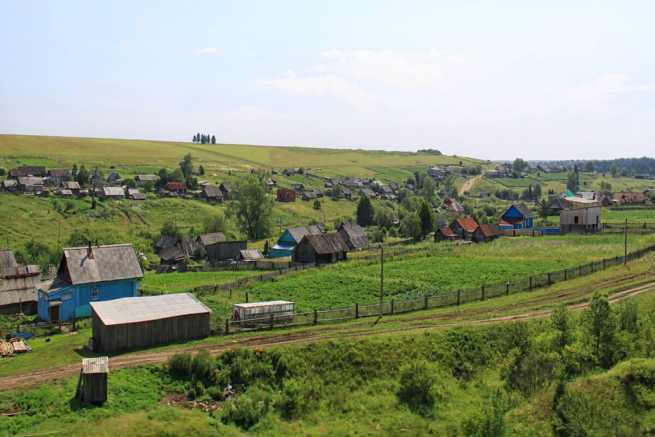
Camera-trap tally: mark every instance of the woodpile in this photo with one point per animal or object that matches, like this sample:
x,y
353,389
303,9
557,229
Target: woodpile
x,y
13,346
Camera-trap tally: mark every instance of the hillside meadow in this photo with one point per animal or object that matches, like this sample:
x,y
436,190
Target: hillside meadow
x,y
536,378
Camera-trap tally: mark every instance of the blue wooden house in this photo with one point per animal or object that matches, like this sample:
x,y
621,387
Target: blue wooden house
x,y
517,216
89,274
291,237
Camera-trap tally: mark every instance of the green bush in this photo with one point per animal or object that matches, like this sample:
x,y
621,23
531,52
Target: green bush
x,y
491,421
179,366
202,368
298,397
247,409
417,382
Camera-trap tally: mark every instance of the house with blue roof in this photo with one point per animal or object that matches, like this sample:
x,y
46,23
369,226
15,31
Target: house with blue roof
x,y
291,237
517,216
89,274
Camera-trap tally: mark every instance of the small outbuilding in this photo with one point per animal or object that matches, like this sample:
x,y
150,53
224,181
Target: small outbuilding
x,y
217,248
285,195
279,309
137,322
486,232
444,233
92,387
353,235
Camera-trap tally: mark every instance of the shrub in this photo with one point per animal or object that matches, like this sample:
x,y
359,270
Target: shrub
x,y
491,422
179,366
417,387
202,368
246,410
298,397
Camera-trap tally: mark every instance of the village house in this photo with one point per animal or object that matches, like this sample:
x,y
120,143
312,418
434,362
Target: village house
x,y
227,190
174,250
18,285
142,179
113,193
10,185
285,195
63,192
73,186
485,233
353,235
135,194
580,218
114,178
27,170
57,177
437,173
31,184
629,198
216,248
89,274
518,216
290,239
453,205
211,193
464,227
554,205
138,322
444,233
175,187
320,249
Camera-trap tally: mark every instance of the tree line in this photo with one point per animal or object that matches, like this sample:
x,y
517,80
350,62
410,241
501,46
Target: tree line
x,y
204,139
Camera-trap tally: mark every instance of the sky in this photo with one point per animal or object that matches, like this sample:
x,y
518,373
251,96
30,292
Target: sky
x,y
489,79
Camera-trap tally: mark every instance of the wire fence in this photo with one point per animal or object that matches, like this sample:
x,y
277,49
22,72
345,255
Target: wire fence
x,y
426,301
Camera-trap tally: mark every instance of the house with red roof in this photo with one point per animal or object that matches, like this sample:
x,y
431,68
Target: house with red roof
x,y
464,227
444,233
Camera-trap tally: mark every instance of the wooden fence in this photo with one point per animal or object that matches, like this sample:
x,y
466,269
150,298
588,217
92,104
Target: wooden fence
x,y
428,300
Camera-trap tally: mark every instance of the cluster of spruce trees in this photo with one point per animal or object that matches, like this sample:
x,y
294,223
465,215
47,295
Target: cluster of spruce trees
x,y
204,139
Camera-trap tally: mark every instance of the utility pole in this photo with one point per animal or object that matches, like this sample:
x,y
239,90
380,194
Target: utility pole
x,y
381,279
625,242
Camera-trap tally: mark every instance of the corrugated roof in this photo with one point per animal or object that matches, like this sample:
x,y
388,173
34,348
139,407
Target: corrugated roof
x,y
262,304
95,365
7,260
447,232
147,308
467,223
489,230
327,243
113,191
106,263
71,185
250,254
213,238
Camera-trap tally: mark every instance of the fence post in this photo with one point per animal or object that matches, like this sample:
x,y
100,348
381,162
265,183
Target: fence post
x,y
425,302
272,320
246,297
392,306
549,279
566,274
482,289
604,267
357,311
530,286
227,326
507,289
459,297
579,270
315,317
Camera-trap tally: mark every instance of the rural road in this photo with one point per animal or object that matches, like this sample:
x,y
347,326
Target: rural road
x,y
334,332
469,184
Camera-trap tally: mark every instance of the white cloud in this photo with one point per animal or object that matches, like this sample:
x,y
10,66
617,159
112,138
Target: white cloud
x,y
206,51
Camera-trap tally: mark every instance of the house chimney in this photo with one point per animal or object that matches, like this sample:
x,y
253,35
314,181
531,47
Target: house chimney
x,y
89,252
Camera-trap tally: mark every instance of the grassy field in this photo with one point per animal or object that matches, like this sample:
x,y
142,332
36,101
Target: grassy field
x,y
502,379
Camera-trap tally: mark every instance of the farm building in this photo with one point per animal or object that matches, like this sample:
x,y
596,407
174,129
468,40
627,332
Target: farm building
x,y
321,248
62,192
453,205
30,184
290,239
486,232
464,227
115,193
18,284
444,233
285,195
629,198
519,216
142,179
212,193
87,274
353,235
10,185
173,250
250,255
27,170
263,310
176,187
215,247
73,186
136,322
113,178
92,387
580,219
227,190
135,194
56,177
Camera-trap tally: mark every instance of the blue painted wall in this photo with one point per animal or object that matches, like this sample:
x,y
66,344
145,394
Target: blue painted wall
x,y
75,299
517,218
285,245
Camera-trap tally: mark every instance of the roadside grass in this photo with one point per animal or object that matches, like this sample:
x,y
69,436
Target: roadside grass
x,y
163,283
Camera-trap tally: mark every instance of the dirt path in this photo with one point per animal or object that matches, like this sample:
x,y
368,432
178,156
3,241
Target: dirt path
x,y
441,320
469,184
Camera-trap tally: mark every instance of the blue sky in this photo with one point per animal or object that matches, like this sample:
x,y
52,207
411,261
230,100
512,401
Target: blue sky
x,y
471,78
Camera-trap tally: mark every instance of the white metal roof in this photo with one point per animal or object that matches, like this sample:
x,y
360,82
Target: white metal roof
x,y
147,308
262,304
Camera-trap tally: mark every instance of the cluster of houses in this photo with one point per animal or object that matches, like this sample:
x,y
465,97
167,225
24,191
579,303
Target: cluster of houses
x,y
517,217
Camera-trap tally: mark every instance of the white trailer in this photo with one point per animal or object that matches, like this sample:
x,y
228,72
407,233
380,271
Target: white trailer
x,y
262,311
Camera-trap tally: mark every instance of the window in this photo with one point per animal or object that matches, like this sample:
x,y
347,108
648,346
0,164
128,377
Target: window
x,y
576,219
95,293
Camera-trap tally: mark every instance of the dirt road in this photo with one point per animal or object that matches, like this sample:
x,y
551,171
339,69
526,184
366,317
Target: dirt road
x,y
340,332
468,185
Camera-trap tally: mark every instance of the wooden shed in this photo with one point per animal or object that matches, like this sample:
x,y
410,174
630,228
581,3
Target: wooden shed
x,y
137,322
92,386
322,248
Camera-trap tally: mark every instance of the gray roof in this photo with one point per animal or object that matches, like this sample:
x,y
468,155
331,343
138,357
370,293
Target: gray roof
x,y
113,191
212,191
524,209
30,180
250,254
71,185
327,243
147,177
106,263
213,238
300,231
354,235
147,308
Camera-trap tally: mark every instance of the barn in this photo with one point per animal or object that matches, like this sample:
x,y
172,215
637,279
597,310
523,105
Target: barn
x,y
353,235
321,248
216,247
86,274
137,322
